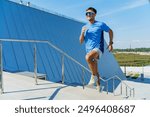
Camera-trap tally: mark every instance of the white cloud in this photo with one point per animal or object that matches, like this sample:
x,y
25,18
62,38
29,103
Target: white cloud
x,y
128,6
136,41
135,4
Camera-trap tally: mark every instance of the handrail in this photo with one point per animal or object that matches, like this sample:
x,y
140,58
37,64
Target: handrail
x,y
65,54
114,77
49,43
124,83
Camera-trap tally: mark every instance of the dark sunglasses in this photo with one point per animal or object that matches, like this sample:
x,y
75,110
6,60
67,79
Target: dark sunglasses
x,y
89,13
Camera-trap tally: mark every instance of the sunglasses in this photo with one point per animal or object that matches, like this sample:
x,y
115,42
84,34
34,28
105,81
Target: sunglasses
x,y
89,13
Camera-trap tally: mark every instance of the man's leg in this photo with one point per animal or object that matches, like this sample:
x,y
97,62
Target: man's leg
x,y
91,59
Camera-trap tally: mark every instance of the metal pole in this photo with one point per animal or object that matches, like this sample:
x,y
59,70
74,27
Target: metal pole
x,y
83,77
35,65
63,69
133,92
125,70
142,74
126,91
113,85
142,68
1,70
121,88
130,92
107,86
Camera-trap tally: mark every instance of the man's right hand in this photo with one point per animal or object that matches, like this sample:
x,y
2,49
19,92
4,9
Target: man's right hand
x,y
82,34
83,29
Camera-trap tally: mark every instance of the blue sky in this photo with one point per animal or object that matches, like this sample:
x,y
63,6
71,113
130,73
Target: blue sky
x,y
129,19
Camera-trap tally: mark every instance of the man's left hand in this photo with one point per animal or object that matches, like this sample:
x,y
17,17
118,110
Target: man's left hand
x,y
110,47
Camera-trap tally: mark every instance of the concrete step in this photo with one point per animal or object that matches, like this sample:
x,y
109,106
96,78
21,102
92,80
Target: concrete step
x,y
20,87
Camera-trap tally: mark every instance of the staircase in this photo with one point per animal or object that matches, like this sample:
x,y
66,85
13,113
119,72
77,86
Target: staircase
x,y
72,91
21,87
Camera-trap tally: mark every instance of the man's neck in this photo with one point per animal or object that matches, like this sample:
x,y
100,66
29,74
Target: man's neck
x,y
92,21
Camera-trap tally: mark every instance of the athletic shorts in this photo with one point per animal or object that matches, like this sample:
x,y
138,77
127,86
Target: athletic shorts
x,y
98,51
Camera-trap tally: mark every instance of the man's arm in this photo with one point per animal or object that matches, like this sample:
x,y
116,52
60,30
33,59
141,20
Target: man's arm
x,y
110,36
82,35
81,38
110,47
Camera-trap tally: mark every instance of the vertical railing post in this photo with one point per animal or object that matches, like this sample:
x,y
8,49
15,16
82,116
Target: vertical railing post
x,y
133,92
1,70
125,71
63,69
83,77
126,91
35,65
107,86
113,86
121,88
142,74
130,92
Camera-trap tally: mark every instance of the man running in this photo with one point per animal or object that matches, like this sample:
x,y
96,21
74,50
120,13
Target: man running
x,y
92,34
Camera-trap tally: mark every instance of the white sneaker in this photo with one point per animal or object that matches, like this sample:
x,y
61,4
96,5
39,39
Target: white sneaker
x,y
100,88
92,80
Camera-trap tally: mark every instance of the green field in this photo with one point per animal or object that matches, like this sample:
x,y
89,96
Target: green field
x,y
128,59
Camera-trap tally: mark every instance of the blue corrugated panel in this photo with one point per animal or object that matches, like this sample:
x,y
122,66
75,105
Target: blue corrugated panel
x,y
23,22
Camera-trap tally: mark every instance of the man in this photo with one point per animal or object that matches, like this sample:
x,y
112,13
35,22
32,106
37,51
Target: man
x,y
92,34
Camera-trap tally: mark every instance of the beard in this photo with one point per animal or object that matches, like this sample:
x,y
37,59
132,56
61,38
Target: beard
x,y
90,18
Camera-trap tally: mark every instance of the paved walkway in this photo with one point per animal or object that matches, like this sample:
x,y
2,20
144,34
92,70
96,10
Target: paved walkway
x,y
20,87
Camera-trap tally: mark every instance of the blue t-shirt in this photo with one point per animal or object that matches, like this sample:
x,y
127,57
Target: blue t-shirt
x,y
93,35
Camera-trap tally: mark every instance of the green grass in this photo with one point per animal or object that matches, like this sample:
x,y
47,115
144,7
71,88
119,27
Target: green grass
x,y
133,75
126,59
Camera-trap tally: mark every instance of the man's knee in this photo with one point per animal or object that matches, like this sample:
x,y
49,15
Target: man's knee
x,y
89,58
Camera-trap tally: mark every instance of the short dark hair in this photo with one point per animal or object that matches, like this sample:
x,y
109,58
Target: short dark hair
x,y
93,9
